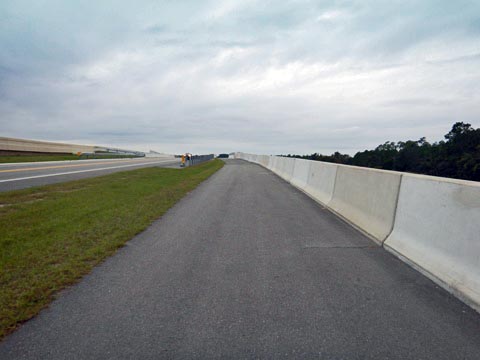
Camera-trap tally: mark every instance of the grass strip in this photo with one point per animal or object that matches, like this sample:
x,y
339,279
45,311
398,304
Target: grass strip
x,y
39,158
51,236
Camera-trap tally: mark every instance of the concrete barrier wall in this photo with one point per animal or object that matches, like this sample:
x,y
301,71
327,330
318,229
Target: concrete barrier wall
x,y
367,198
264,160
270,162
11,144
300,173
259,159
276,164
321,181
437,228
286,168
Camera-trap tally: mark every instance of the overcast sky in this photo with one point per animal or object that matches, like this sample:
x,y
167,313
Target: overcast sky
x,y
255,76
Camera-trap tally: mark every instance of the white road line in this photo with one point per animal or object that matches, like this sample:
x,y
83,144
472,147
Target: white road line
x,y
82,171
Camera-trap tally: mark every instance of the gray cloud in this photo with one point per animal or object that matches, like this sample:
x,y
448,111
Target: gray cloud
x,y
259,76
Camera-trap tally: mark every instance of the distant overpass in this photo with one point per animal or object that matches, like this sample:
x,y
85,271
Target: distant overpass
x,y
14,145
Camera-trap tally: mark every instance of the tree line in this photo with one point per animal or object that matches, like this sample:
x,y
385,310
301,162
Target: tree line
x,y
458,156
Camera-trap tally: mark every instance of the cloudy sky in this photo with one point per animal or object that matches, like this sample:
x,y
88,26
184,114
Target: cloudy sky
x,y
285,76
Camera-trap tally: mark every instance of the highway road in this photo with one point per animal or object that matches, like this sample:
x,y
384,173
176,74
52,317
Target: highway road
x,y
246,266
23,175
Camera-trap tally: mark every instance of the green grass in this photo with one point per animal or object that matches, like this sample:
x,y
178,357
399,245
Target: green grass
x,y
53,235
35,158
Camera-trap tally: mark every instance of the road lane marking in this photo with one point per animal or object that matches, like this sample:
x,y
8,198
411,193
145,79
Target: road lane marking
x,y
57,167
82,171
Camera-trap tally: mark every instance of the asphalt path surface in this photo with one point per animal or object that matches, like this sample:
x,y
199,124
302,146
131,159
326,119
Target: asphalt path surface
x,y
246,266
23,175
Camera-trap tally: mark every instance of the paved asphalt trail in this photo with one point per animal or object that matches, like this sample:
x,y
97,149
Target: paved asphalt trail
x,y
24,175
246,266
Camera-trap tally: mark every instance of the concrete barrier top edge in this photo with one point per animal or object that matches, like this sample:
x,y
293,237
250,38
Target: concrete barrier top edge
x,y
442,179
393,172
343,165
42,142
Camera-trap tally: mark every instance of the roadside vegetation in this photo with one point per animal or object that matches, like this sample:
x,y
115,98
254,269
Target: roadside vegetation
x,y
53,235
34,158
458,156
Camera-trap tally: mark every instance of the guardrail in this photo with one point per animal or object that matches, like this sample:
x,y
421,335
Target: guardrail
x,y
197,159
431,223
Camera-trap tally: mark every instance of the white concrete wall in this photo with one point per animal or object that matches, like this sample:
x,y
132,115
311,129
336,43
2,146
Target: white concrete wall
x,y
437,228
264,160
276,164
300,173
321,181
286,168
270,162
367,198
